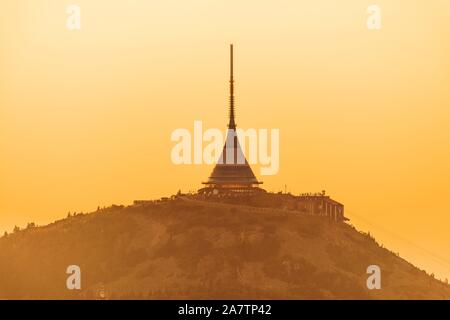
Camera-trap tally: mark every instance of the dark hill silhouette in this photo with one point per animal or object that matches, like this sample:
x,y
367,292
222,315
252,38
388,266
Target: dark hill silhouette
x,y
190,249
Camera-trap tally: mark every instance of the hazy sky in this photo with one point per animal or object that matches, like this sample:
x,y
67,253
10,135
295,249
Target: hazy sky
x,y
86,115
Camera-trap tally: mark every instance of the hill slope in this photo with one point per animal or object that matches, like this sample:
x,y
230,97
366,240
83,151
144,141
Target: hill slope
x,y
184,249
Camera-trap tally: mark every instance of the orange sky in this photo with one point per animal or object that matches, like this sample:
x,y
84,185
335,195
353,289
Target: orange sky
x,y
86,116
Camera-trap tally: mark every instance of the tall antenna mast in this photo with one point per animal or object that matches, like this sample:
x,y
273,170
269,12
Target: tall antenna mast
x,y
231,124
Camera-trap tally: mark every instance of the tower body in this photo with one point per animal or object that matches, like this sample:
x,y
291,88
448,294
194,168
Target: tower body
x,y
232,173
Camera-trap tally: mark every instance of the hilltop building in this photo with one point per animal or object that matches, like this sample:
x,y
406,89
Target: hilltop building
x,y
318,204
233,177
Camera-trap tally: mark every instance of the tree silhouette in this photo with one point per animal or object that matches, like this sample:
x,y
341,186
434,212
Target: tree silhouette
x,y
31,225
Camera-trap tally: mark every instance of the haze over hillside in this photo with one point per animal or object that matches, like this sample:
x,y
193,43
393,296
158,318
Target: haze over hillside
x,y
191,249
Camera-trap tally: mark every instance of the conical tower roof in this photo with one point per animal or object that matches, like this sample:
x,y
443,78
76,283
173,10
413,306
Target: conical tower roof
x,y
232,166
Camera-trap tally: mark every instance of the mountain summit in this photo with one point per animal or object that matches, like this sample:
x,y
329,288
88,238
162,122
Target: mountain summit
x,y
190,249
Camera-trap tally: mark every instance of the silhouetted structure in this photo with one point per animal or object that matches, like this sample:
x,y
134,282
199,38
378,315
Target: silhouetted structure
x,y
320,204
232,173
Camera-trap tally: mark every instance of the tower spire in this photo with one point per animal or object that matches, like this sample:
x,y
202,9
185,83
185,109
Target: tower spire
x,y
231,124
